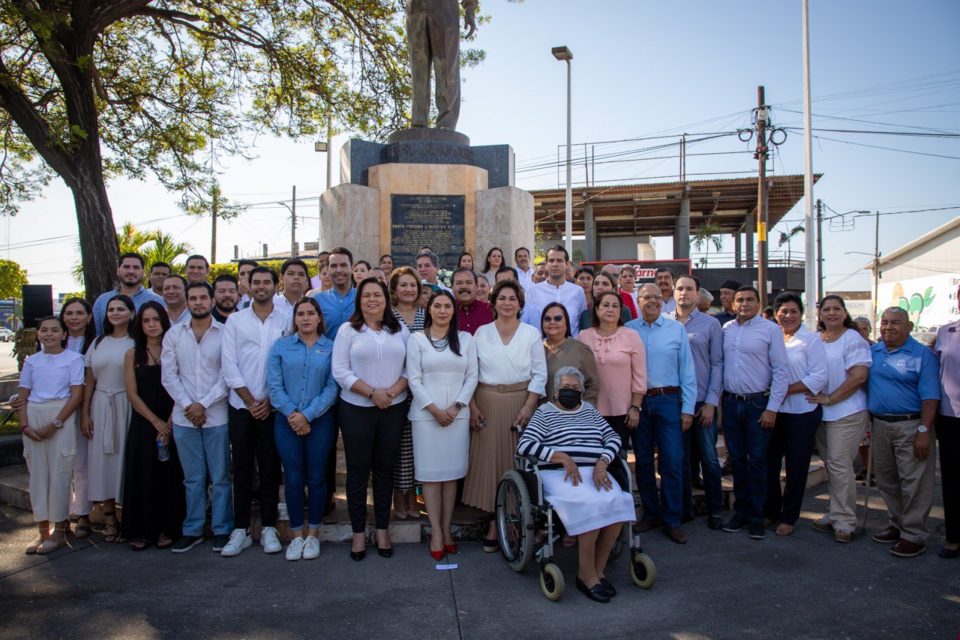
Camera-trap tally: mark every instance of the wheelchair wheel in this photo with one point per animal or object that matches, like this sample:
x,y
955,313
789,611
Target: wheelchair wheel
x,y
642,570
551,581
515,520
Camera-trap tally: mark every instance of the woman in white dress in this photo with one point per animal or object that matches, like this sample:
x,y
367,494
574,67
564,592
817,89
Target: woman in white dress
x,y
106,412
512,372
442,370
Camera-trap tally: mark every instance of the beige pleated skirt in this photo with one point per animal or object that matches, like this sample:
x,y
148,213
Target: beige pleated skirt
x,y
492,449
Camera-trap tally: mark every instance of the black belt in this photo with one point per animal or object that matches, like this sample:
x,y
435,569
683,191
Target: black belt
x,y
747,396
662,391
896,417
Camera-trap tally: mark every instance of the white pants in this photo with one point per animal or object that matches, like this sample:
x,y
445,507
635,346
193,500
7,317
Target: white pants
x,y
50,462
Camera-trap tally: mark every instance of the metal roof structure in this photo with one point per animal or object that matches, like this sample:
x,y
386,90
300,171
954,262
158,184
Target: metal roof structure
x,y
651,209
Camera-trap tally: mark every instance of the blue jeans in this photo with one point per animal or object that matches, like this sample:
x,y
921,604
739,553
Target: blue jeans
x,y
747,445
705,438
660,426
202,452
304,461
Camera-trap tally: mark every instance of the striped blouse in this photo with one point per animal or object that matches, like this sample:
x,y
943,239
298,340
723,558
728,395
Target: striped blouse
x,y
582,434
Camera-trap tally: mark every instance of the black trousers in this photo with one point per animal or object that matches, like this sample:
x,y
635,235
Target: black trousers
x,y
371,442
331,484
792,441
252,440
619,424
948,437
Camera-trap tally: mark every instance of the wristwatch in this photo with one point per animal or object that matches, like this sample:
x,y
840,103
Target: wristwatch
x,y
58,424
922,429
460,405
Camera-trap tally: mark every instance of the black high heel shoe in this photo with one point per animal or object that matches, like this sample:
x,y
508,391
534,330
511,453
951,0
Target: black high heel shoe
x,y
385,552
358,555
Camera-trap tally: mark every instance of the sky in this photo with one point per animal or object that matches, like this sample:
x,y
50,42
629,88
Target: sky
x,y
641,68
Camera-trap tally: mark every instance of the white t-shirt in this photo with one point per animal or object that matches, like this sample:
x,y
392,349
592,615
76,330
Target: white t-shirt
x,y
849,350
49,377
807,359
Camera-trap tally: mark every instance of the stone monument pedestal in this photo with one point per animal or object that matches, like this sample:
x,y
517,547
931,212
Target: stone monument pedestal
x,y
426,187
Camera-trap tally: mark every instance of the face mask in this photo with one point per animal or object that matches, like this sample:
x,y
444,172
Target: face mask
x,y
569,398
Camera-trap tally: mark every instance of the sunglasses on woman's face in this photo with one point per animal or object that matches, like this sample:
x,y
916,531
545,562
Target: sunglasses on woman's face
x,y
553,318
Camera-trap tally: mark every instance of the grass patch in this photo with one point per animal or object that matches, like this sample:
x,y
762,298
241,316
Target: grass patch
x,y
11,427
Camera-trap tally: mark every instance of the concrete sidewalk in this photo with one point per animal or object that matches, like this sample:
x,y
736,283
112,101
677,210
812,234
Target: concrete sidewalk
x,y
719,585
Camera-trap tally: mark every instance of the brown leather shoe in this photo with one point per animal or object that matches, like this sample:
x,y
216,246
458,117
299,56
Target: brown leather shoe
x,y
890,534
907,549
676,534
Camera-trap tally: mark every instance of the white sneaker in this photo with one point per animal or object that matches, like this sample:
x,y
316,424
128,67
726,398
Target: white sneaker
x,y
311,548
239,540
270,541
295,549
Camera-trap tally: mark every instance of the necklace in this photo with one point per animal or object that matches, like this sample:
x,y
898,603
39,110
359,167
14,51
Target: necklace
x,y
438,345
155,357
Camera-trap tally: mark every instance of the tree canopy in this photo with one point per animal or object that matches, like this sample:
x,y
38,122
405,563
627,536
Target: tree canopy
x,y
12,277
91,89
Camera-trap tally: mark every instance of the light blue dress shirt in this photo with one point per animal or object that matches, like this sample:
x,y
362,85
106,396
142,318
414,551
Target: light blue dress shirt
x,y
902,378
755,360
100,304
706,344
300,379
336,309
669,359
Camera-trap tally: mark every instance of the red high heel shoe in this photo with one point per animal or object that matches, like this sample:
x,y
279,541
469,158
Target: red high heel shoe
x,y
436,555
450,548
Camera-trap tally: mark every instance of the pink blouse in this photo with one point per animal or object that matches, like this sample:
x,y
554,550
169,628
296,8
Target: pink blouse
x,y
621,365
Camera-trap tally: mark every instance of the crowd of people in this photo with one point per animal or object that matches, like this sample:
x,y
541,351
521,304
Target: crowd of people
x,y
158,398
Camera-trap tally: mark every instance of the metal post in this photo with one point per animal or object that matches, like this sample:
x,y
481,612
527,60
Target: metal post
x,y
876,271
214,206
811,279
820,291
568,216
761,156
293,225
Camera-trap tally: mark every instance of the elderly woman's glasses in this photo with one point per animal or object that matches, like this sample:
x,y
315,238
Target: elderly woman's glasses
x,y
553,318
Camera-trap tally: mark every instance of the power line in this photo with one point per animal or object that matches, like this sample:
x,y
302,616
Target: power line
x,y
874,146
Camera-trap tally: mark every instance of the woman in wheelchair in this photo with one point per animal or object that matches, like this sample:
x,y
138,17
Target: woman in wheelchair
x,y
569,432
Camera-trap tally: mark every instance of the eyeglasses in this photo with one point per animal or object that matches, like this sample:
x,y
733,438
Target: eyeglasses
x,y
553,318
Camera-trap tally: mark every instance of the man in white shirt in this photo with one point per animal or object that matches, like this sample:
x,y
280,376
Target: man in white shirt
x,y
664,279
323,258
555,289
191,375
247,338
293,273
175,299
244,267
521,260
197,268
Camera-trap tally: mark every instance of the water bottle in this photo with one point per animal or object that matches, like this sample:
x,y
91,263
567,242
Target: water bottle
x,y
163,451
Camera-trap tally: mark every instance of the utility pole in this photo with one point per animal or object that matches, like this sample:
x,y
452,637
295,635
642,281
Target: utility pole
x,y
876,271
809,277
214,207
293,225
761,156
819,250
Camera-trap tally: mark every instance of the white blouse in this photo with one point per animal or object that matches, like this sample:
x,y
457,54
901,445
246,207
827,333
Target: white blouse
x,y
844,353
521,360
808,364
376,357
49,377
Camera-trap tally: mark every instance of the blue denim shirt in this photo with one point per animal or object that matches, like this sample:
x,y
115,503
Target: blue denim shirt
x,y
299,379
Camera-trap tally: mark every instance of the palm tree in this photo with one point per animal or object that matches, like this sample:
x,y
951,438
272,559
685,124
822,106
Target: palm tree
x,y
708,234
154,246
787,236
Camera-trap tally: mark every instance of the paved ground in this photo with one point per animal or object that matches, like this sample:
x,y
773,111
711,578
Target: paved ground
x,y
719,585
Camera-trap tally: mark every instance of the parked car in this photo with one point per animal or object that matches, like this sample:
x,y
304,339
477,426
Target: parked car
x,y
6,335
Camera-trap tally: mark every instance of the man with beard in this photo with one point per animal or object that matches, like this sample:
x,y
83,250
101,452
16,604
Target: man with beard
x,y
191,374
225,297
471,313
247,339
521,260
175,299
130,276
664,279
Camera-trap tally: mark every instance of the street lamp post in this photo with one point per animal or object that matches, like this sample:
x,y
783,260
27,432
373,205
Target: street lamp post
x,y
563,54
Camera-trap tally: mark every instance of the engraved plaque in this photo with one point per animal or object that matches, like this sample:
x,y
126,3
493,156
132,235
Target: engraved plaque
x,y
434,221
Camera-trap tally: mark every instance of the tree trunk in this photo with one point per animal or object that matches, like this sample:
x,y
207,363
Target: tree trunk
x,y
98,236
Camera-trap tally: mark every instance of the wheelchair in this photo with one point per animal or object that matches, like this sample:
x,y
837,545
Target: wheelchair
x,y
522,510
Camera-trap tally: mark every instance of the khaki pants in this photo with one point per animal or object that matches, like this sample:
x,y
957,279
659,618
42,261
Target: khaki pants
x,y
905,483
839,443
50,462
